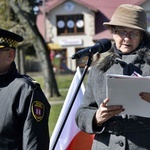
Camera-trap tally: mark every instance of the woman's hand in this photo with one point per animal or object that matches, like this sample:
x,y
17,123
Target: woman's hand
x,y
106,112
145,96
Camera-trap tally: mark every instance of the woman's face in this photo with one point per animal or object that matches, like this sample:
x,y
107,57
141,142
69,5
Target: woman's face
x,y
126,39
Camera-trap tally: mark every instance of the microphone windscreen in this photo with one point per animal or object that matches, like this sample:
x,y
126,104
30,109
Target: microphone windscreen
x,y
105,43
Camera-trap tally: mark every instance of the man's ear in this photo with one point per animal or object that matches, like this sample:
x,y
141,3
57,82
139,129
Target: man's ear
x,y
11,55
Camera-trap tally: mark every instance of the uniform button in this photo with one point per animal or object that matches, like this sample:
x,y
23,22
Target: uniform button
x,y
121,143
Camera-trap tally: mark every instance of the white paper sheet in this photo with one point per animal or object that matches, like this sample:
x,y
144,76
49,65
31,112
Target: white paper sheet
x,y
124,90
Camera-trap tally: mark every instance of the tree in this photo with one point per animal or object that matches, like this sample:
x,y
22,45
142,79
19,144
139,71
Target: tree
x,y
23,19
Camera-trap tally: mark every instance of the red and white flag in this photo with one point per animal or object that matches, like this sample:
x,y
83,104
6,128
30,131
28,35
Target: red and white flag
x,y
71,137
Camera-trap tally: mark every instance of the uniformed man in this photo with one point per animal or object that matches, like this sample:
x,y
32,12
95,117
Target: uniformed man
x,y
24,109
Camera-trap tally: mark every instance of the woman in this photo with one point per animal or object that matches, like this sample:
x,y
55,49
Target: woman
x,y
112,128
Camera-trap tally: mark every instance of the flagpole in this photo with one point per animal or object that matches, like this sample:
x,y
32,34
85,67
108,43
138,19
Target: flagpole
x,y
73,98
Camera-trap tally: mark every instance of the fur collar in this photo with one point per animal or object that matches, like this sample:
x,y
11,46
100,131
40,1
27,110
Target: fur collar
x,y
143,56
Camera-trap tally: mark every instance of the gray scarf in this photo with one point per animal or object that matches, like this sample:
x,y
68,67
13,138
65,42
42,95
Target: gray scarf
x,y
142,56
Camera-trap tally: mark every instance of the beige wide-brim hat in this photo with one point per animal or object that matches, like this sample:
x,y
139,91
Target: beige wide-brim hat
x,y
131,16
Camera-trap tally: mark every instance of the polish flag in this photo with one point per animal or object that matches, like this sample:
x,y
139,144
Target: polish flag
x,y
71,137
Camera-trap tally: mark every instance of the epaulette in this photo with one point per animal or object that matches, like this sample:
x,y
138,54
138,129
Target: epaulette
x,y
30,80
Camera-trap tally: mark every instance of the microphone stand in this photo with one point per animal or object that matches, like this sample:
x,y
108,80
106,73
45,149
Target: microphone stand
x,y
89,61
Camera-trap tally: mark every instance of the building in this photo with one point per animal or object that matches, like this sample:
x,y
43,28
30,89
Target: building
x,y
71,25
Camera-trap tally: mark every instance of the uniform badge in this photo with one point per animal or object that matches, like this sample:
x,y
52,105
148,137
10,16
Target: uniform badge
x,y
38,109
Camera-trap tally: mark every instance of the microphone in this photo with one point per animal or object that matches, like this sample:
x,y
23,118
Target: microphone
x,y
101,46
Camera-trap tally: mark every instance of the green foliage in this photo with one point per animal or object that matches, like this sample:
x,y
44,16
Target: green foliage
x,y
30,51
54,114
64,81
7,16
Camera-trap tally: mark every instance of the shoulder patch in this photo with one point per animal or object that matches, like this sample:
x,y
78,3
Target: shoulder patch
x,y
38,110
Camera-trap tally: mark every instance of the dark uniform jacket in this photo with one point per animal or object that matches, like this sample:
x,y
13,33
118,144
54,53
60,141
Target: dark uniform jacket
x,y
122,132
24,112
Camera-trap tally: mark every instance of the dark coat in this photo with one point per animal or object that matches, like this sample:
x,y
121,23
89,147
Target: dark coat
x,y
131,138
24,113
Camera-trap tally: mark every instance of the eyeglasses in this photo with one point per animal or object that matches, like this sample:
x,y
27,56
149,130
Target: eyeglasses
x,y
132,34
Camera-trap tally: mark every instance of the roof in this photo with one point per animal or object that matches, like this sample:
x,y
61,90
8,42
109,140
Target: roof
x,y
51,4
105,7
103,34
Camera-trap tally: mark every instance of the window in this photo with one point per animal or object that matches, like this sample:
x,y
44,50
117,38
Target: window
x,y
70,24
